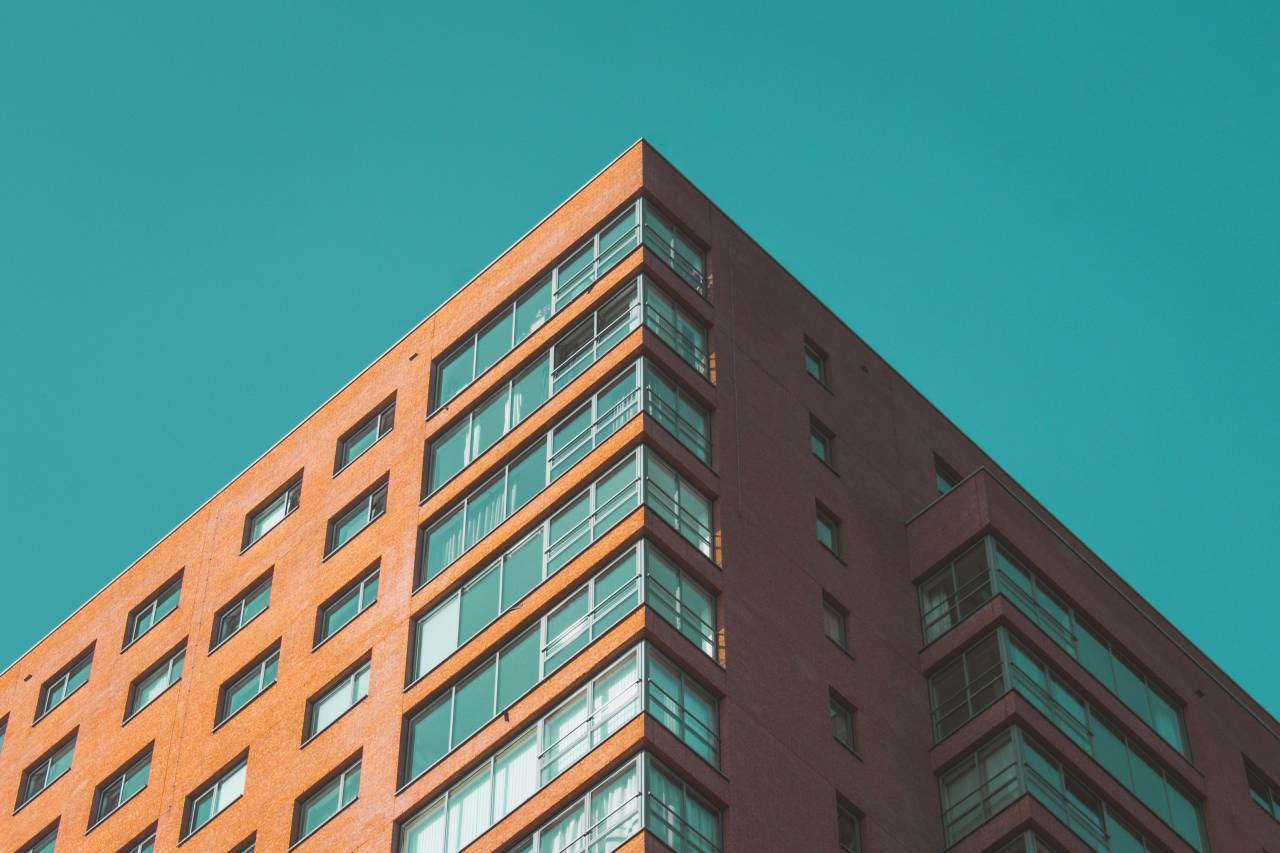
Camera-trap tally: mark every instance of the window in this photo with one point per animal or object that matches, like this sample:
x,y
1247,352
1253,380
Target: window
x,y
244,688
44,843
365,435
350,603
70,679
822,443
828,530
145,843
47,770
833,624
123,786
210,801
815,363
947,478
841,722
848,828
155,681
364,512
158,606
246,607
332,797
264,520
4,725
337,700
1263,793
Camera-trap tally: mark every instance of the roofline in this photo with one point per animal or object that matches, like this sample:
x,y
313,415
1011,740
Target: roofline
x,y
327,401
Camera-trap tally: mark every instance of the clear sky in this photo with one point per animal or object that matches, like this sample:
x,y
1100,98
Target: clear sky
x,y
1060,221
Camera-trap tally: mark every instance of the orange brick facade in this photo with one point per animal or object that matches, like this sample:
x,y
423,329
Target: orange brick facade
x,y
773,672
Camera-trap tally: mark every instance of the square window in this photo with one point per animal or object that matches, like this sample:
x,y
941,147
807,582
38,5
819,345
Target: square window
x,y
822,443
145,616
841,722
214,798
815,363
365,511
828,530
70,679
848,828
264,519
833,624
244,609
365,434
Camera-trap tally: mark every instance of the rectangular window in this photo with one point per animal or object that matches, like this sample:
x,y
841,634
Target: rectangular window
x,y
1263,793
365,511
674,246
46,771
155,608
987,569
337,700
822,443
247,686
947,478
350,603
833,624
848,828
68,680
643,794
123,786
353,445
4,725
815,362
263,520
156,681
333,796
841,721
828,530
213,799
535,305
545,750
240,612
44,843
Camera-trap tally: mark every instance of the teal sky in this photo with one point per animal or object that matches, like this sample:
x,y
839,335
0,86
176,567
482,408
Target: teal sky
x,y
1060,221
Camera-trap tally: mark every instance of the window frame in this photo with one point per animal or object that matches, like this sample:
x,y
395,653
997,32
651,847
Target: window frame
x,y
340,777
136,845
266,579
1254,776
821,435
132,709
818,356
152,602
827,518
121,776
837,706
844,809
258,665
357,586
66,745
381,419
81,662
212,787
348,680
372,503
944,474
290,493
829,606
47,836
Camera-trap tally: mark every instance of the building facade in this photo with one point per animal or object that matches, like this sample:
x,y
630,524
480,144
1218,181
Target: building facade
x,y
631,544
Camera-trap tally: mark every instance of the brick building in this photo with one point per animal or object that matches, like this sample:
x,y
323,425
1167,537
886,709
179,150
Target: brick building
x,y
631,543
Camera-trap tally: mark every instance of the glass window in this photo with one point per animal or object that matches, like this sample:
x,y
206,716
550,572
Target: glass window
x,y
833,624
121,788
337,700
68,681
841,722
828,531
260,523
355,600
156,681
366,435
848,829
241,612
332,797
449,455
46,771
211,801
455,373
533,309
1263,793
160,605
473,703
243,689
946,477
815,363
45,843
820,442
366,511
147,844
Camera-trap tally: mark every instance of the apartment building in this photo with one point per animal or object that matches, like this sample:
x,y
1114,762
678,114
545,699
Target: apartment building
x,y
630,545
